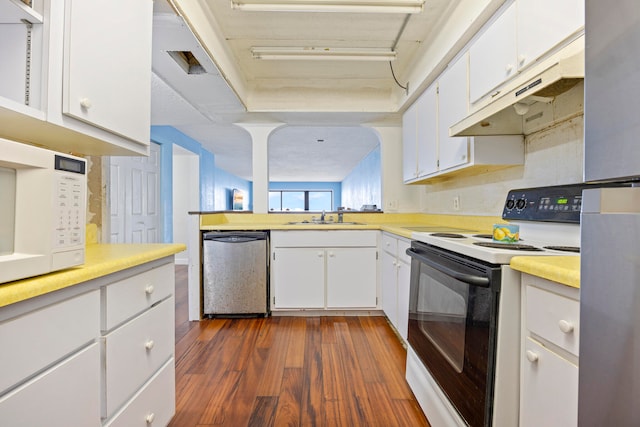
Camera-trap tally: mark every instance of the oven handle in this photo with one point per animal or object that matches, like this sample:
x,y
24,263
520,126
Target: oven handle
x,y
463,277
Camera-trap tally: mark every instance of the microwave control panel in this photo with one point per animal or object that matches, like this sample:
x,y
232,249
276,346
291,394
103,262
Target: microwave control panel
x,y
70,195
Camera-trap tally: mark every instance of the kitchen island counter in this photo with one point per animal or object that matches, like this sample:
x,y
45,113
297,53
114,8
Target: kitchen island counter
x,y
560,269
100,260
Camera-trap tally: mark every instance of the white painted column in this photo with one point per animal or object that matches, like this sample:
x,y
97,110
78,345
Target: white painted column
x,y
396,196
260,154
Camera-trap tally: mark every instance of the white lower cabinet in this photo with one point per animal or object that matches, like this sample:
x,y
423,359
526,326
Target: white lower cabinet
x,y
135,351
549,359
100,352
323,269
351,277
138,341
151,405
396,274
65,395
298,277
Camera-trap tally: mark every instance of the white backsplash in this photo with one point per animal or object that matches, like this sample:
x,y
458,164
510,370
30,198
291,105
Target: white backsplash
x,y
552,156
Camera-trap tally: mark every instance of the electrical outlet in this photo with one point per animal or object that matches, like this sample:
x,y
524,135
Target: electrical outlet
x,y
456,203
392,204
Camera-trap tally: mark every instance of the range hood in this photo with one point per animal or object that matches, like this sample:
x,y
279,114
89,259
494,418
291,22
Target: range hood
x,y
506,114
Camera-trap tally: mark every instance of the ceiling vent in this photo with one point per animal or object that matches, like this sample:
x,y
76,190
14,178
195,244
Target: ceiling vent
x,y
187,61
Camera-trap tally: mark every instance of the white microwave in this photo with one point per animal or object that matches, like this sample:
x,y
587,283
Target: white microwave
x,y
42,210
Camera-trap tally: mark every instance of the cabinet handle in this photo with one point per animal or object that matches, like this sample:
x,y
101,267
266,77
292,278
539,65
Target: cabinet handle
x,y
320,254
149,344
565,326
85,103
331,254
532,356
509,68
522,59
149,289
149,418
496,93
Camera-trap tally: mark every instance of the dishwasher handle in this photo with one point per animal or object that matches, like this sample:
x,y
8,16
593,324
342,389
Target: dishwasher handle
x,y
231,237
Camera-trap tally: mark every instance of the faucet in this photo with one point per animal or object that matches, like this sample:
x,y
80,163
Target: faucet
x,y
340,214
322,216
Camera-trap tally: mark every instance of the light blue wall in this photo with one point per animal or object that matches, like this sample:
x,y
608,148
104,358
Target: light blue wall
x,y
363,186
334,186
166,136
225,183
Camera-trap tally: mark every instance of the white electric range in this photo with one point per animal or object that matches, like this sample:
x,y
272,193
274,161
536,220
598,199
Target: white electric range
x,y
464,314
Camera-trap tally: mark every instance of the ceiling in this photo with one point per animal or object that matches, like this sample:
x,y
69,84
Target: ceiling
x,y
332,101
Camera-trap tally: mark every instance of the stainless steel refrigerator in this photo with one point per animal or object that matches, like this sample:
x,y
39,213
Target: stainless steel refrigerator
x,y
609,379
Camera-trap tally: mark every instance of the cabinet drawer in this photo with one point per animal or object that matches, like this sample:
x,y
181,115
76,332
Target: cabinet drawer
x,y
154,404
389,244
403,245
33,341
66,395
126,298
135,351
323,239
550,388
553,317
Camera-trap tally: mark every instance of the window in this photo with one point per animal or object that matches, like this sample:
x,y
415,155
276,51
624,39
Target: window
x,y
300,200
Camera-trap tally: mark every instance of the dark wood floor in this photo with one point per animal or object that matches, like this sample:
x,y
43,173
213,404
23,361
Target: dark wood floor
x,y
289,371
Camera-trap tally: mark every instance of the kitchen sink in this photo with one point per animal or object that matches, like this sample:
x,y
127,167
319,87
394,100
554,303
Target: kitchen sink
x,y
323,223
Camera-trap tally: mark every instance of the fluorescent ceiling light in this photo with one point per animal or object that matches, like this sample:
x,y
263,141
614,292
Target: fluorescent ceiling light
x,y
355,6
325,53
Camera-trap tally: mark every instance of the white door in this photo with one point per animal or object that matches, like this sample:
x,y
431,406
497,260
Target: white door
x,y
134,195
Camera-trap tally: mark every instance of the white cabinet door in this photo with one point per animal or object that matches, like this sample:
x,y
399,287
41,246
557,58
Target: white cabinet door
x,y
542,24
66,395
409,144
351,277
492,58
452,107
298,276
550,389
107,76
427,131
389,287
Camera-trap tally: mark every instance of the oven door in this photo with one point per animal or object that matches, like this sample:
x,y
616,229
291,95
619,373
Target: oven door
x,y
452,326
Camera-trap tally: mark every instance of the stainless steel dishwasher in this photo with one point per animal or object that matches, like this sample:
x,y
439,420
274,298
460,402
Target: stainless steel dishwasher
x,y
235,273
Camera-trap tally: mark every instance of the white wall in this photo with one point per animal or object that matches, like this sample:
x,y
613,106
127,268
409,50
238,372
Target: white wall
x,y
185,197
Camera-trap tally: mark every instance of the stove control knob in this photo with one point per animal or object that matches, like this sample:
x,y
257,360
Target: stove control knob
x,y
521,204
510,204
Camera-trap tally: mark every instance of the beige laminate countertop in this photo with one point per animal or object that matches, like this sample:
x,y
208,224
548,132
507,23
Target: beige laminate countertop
x,y
100,260
560,269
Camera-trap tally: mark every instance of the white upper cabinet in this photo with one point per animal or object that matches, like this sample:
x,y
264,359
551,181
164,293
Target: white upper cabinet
x,y
524,32
427,131
492,58
452,107
107,57
420,136
76,75
542,24
442,105
409,143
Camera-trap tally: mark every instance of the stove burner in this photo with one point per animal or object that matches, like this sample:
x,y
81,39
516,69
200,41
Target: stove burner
x,y
512,246
483,236
448,235
564,248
